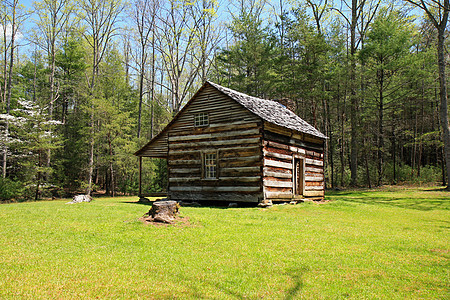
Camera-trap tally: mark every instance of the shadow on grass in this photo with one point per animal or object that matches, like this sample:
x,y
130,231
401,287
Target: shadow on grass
x,y
205,204
140,203
443,189
216,285
440,203
228,287
296,276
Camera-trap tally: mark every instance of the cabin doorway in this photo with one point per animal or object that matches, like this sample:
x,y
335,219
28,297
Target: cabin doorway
x,y
299,176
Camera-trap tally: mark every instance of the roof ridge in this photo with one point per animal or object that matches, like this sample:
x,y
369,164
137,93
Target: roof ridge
x,y
241,93
270,110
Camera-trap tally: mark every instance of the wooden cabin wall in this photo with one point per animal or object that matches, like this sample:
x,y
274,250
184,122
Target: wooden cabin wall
x,y
234,134
277,172
158,148
280,147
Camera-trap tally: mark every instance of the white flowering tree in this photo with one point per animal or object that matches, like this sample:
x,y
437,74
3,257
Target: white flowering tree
x,y
26,135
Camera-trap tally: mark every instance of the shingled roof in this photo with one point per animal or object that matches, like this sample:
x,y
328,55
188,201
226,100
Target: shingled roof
x,y
270,111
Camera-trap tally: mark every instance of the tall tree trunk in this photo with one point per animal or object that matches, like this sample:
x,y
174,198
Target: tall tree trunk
x,y
443,97
141,96
366,160
52,97
422,111
9,86
96,61
91,158
353,97
5,150
111,168
144,27
380,150
152,88
5,61
394,156
342,142
38,176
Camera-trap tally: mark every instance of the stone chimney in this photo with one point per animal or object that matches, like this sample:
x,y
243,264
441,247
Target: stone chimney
x,y
288,103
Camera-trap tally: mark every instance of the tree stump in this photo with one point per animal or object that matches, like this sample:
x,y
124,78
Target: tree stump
x,y
163,211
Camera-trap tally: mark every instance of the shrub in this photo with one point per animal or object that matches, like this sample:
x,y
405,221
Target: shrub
x,y
10,189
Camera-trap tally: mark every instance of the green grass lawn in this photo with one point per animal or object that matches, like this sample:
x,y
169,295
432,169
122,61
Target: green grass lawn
x,y
361,245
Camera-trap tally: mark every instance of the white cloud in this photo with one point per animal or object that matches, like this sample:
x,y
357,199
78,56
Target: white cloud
x,y
19,34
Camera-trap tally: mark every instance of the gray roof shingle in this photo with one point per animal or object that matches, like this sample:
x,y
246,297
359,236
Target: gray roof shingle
x,y
270,111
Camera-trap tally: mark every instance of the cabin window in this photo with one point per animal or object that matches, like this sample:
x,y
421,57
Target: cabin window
x,y
201,119
210,165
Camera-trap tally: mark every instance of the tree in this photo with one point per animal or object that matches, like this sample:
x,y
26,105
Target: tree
x,y
386,48
248,62
13,16
54,17
71,69
437,12
183,27
318,10
100,17
144,17
33,137
357,9
112,115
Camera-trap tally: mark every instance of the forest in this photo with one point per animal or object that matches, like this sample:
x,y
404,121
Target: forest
x,y
85,84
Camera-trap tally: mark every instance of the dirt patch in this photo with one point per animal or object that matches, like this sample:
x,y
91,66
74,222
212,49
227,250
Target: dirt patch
x,y
446,251
323,201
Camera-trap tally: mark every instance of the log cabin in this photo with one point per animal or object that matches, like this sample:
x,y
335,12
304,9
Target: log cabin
x,y
224,145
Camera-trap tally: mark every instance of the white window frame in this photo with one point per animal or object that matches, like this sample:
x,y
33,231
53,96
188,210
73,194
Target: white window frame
x,y
210,165
201,120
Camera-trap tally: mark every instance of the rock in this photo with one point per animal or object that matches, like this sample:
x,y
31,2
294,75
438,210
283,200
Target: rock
x,y
80,198
144,200
293,202
162,211
265,203
233,204
191,204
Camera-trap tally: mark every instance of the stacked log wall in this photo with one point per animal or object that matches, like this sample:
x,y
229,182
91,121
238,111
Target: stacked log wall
x,y
314,175
234,134
280,147
158,147
277,171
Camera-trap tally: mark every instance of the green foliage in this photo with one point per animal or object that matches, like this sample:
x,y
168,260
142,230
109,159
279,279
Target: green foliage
x,y
161,176
307,67
427,175
388,40
247,65
33,136
288,55
10,189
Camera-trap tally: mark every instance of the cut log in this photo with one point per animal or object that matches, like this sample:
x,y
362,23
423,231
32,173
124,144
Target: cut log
x,y
163,211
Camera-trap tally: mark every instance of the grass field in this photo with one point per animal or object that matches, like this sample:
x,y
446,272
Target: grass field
x,y
388,244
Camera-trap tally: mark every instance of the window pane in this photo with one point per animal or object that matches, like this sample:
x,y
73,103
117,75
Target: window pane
x,y
201,119
210,166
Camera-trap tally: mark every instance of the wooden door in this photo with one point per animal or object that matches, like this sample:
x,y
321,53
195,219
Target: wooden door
x,y
299,176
